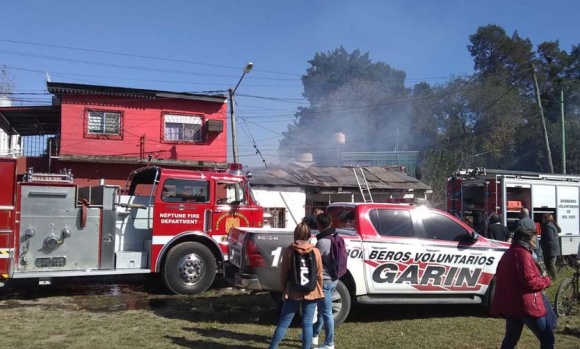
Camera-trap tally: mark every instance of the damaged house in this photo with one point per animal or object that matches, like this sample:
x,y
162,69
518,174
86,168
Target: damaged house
x,y
290,192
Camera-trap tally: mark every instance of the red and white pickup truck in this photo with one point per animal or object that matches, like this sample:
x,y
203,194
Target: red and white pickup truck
x,y
398,254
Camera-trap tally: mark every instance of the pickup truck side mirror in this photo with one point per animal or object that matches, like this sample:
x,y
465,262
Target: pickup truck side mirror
x,y
470,238
473,236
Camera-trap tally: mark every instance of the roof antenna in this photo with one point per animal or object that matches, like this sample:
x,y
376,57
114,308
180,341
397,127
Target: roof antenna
x,y
47,77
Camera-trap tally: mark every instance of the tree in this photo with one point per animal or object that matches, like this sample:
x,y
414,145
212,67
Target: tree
x,y
330,71
423,101
6,80
348,93
495,53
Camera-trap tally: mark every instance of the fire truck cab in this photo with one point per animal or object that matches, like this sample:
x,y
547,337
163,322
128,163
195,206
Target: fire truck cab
x,y
481,192
167,221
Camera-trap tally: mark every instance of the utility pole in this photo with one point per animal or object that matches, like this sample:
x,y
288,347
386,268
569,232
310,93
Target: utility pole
x,y
233,125
563,132
543,120
232,92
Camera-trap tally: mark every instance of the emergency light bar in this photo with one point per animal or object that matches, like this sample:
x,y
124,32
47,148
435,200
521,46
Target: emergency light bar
x,y
235,169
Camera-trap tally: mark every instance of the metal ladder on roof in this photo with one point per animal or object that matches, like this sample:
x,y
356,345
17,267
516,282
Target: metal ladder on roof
x,y
363,185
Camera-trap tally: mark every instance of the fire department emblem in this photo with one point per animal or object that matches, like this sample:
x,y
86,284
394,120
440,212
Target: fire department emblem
x,y
232,222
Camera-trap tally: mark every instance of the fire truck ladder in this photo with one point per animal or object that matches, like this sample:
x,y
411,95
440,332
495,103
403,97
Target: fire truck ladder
x,y
363,185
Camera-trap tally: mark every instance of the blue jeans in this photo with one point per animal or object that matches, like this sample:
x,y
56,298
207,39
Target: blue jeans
x,y
513,331
289,308
325,313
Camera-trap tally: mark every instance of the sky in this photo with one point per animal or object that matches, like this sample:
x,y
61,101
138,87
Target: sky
x,y
199,46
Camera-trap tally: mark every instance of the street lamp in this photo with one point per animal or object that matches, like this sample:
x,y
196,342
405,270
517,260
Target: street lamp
x,y
232,116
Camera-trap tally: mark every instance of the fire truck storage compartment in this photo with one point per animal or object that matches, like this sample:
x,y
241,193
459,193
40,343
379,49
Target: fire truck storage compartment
x,y
569,244
473,195
104,196
518,195
52,237
567,216
131,260
134,232
543,201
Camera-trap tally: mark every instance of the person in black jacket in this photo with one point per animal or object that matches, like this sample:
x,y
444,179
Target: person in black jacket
x,y
496,230
550,243
311,220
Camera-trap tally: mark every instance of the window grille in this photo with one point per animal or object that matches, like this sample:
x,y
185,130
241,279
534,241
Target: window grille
x,y
182,128
278,217
108,123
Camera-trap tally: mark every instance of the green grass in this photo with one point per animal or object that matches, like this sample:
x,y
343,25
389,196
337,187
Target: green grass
x,y
225,318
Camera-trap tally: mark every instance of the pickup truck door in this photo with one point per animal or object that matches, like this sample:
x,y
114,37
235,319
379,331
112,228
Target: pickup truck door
x,y
388,255
453,261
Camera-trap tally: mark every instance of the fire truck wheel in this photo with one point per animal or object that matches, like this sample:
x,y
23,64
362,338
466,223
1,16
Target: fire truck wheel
x,y
190,268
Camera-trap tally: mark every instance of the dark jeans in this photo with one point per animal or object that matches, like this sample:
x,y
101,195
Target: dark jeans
x,y
513,331
550,263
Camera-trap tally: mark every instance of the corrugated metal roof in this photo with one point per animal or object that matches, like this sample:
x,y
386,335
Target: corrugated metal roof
x,y
32,120
336,177
67,88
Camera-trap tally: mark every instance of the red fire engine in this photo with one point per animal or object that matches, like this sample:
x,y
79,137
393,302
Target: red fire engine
x,y
481,192
167,221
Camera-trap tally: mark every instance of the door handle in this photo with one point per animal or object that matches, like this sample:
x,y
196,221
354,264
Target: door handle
x,y
431,250
181,207
379,247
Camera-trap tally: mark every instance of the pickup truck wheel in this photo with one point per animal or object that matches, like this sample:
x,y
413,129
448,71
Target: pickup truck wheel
x,y
341,303
489,295
190,268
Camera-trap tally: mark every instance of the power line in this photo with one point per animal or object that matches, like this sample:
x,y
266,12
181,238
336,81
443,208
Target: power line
x,y
135,79
140,56
249,134
131,67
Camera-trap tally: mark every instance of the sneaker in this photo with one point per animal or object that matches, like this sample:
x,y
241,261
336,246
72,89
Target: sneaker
x,y
325,346
314,339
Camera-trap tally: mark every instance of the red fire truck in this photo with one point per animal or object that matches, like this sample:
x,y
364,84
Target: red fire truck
x,y
481,192
167,221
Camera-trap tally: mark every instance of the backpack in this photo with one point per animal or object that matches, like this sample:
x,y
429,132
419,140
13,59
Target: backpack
x,y
303,272
338,254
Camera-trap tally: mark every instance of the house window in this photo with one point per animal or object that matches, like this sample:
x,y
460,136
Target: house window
x,y
182,128
275,217
104,123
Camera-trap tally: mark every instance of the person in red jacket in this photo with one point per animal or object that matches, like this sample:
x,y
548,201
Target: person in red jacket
x,y
518,292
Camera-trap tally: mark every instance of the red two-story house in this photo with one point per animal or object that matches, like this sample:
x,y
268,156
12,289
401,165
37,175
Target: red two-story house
x,y
104,132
